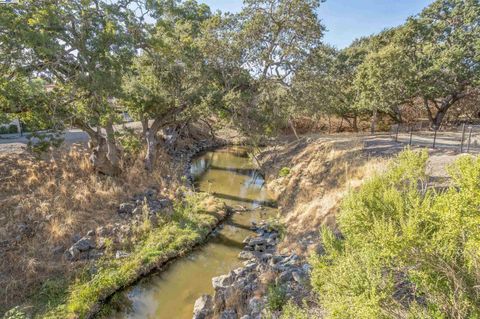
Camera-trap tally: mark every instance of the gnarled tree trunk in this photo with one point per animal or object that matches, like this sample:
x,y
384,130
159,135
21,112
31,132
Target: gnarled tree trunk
x,y
100,161
151,140
112,150
103,150
442,107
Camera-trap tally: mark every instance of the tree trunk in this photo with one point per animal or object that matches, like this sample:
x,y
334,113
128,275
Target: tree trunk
x,y
396,114
112,150
104,157
339,128
374,121
429,112
438,119
100,161
292,125
445,105
151,138
355,124
144,122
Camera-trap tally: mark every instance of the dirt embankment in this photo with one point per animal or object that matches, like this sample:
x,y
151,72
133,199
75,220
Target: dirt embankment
x,y
309,178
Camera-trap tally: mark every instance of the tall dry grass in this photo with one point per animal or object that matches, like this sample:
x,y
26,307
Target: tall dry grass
x,y
44,203
321,172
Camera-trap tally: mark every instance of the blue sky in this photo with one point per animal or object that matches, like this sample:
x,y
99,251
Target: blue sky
x,y
347,20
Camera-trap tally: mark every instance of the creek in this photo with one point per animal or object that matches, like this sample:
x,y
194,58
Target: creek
x,y
230,175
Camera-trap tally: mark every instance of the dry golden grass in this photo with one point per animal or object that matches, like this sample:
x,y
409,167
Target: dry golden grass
x,y
322,171
44,203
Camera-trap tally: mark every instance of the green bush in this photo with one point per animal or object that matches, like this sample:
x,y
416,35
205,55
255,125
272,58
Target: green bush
x,y
15,313
292,311
285,171
130,141
407,251
11,129
276,297
41,142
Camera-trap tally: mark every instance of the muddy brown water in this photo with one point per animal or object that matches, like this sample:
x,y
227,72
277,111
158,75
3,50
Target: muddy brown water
x,y
230,175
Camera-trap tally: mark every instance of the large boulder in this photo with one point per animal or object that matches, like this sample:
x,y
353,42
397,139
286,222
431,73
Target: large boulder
x,y
229,314
126,208
223,281
203,307
83,245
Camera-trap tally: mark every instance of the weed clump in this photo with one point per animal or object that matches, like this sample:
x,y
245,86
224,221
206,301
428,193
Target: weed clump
x,y
284,171
276,297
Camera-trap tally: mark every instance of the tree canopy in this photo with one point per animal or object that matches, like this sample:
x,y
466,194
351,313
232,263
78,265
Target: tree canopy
x,y
82,63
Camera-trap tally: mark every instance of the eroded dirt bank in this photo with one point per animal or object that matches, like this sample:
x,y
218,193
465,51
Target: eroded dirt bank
x,y
309,179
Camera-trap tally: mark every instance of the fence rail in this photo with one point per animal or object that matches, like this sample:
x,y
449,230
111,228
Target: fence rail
x,y
464,138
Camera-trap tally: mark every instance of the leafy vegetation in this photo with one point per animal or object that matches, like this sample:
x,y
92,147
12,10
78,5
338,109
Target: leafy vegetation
x,y
292,311
12,128
284,171
260,69
406,250
276,297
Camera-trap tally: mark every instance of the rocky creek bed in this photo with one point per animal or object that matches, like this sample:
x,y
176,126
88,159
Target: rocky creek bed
x,y
242,292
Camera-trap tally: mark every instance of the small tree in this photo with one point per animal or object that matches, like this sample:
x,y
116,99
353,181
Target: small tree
x,y
277,37
83,48
169,82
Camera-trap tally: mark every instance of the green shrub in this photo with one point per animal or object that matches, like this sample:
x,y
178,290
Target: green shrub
x,y
407,251
285,171
41,142
15,313
11,129
276,297
292,311
130,141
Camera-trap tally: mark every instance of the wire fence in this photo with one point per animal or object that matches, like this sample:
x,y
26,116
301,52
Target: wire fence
x,y
463,138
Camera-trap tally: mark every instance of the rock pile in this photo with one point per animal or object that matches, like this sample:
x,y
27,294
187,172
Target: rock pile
x,y
83,248
241,293
135,207
91,245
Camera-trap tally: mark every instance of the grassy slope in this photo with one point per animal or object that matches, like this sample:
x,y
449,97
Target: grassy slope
x,y
55,200
310,177
191,223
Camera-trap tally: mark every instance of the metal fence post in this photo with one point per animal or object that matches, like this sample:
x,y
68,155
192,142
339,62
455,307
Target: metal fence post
x,y
411,133
463,138
435,137
469,138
